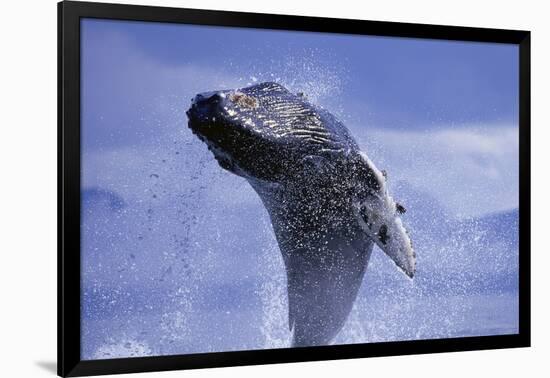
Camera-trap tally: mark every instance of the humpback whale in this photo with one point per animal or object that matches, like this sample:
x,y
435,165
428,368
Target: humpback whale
x,y
327,201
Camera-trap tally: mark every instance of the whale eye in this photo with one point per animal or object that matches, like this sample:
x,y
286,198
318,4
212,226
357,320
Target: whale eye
x,y
243,100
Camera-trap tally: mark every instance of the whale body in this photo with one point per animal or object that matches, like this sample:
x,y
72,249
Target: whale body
x,y
328,203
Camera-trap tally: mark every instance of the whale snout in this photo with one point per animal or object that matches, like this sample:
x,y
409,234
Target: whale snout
x,y
204,108
208,98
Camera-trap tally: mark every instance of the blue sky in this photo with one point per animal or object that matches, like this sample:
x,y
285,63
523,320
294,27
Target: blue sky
x,y
456,101
187,249
390,82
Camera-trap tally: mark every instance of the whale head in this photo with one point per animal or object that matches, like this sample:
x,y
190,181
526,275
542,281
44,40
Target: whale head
x,y
264,132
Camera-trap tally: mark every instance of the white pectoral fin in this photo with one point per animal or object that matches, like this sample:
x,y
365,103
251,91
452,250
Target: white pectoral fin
x,y
399,248
378,219
378,216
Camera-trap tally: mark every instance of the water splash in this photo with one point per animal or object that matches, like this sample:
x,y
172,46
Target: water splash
x,y
315,73
126,347
273,296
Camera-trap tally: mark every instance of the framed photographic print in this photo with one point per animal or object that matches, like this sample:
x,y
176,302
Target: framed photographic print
x,y
239,188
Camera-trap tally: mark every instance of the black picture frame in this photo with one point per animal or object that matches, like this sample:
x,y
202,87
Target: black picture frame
x,y
69,15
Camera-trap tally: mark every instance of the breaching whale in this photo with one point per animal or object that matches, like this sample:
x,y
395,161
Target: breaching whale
x,y
327,201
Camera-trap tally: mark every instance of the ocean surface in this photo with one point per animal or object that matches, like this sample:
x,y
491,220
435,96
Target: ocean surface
x,y
184,260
